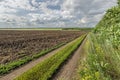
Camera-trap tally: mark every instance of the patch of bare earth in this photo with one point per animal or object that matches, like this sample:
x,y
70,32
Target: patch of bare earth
x,y
69,70
28,66
15,45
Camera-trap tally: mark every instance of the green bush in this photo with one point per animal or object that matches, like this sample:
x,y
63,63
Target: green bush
x,y
109,27
102,61
103,51
119,2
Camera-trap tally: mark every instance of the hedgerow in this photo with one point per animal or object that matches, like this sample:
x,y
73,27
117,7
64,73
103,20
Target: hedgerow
x,y
103,49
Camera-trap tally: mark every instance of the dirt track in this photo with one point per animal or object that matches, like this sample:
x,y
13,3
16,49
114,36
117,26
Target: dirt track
x,y
15,45
28,66
68,70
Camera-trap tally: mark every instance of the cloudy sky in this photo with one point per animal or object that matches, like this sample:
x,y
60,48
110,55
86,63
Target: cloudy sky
x,y
52,13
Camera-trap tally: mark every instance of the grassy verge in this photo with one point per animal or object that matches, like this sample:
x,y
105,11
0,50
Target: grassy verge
x,y
6,68
102,60
30,28
103,52
45,69
81,29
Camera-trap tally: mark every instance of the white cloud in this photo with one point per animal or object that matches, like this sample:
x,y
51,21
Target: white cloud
x,y
17,4
54,13
83,21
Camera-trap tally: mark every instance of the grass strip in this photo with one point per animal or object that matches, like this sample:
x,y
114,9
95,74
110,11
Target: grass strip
x,y
6,68
102,61
48,67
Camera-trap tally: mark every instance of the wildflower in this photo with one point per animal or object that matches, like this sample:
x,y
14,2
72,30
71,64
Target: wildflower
x,y
97,75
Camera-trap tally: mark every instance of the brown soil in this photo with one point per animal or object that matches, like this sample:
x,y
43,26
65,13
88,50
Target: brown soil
x,y
28,66
68,70
18,44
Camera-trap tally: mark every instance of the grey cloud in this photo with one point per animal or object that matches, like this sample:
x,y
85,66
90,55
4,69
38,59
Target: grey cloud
x,y
54,7
53,13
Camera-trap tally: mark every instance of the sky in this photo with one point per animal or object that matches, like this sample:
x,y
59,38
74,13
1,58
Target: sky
x,y
52,13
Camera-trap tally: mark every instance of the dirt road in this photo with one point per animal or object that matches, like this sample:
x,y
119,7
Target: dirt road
x,y
28,66
68,70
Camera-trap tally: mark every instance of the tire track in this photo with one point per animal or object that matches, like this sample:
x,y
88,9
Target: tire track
x,y
68,70
21,70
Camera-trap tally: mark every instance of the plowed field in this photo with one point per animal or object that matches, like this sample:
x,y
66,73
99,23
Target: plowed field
x,y
18,44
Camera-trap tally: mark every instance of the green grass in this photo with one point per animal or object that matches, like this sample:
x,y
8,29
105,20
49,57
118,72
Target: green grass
x,y
6,68
30,28
45,69
102,60
109,27
103,49
82,29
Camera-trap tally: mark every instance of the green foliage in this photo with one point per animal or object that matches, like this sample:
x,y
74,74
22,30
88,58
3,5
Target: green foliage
x,y
6,68
119,2
82,29
102,61
103,51
109,27
45,69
